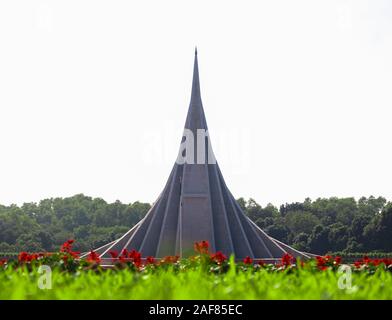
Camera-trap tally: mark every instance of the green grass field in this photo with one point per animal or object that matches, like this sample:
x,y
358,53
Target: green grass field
x,y
196,283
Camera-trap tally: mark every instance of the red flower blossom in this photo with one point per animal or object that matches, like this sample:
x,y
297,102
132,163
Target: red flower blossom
x,y
376,262
93,257
321,263
261,263
201,247
366,260
128,256
387,262
75,254
34,256
328,261
287,259
3,262
66,247
133,253
218,257
170,259
358,264
25,257
22,257
150,260
136,258
114,254
122,259
248,260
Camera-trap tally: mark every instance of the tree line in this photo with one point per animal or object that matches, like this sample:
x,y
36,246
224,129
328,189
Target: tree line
x,y
319,226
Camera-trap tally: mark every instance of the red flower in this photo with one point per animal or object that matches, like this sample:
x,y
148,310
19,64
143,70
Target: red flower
x,y
66,247
248,260
34,256
150,260
93,257
358,264
387,262
132,254
376,262
337,260
170,259
287,259
136,258
218,257
128,256
201,247
321,263
261,263
25,257
3,262
75,254
114,254
122,259
22,257
328,261
366,259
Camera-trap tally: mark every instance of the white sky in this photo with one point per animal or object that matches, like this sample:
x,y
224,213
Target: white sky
x,y
94,94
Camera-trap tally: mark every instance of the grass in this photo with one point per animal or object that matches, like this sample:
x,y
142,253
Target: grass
x,y
298,283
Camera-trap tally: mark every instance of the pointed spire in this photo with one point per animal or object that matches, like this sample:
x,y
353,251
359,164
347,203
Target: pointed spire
x,y
195,118
195,97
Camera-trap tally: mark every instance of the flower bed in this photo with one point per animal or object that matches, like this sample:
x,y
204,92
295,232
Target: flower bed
x,y
68,260
205,275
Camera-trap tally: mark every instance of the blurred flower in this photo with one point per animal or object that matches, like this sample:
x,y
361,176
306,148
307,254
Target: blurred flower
x,y
201,247
218,257
93,257
287,259
247,260
150,260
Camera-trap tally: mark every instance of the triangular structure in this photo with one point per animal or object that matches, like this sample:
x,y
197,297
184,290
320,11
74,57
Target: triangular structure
x,y
196,205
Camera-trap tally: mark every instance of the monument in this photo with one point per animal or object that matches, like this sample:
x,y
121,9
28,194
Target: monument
x,y
196,205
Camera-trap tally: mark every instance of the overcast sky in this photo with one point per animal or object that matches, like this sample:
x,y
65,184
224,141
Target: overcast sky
x,y
94,94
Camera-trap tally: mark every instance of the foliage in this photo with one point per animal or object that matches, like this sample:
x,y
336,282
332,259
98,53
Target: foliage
x,y
46,225
319,226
